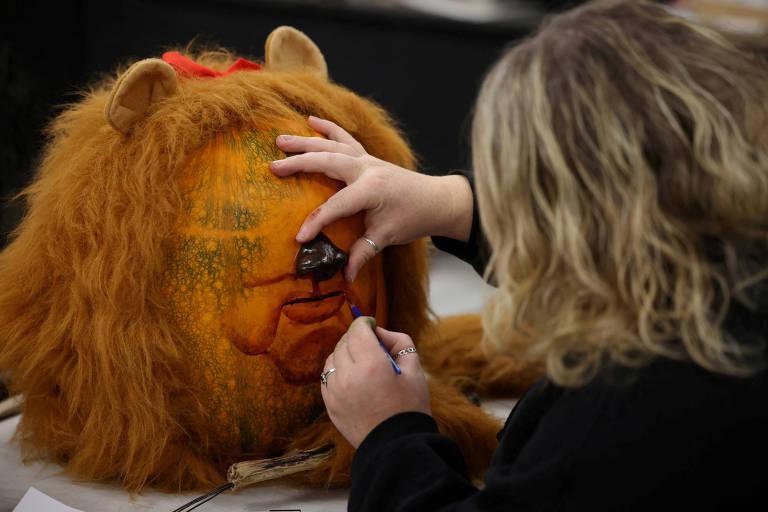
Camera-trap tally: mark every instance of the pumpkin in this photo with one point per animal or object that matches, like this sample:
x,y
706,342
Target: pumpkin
x,y
257,333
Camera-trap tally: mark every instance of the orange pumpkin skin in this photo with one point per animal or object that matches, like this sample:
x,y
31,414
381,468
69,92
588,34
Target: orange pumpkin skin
x,y
256,359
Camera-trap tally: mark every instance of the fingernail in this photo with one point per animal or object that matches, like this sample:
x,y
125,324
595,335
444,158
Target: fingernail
x,y
302,234
284,138
367,320
275,164
350,277
313,118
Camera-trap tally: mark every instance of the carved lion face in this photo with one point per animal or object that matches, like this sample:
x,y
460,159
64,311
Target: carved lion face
x,y
256,333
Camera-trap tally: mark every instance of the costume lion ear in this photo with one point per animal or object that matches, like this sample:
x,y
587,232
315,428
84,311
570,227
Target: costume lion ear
x,y
288,49
146,82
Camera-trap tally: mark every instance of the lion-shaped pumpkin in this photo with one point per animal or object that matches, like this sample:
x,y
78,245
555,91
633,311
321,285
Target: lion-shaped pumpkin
x,y
151,313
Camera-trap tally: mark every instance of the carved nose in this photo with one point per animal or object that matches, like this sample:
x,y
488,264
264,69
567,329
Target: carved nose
x,y
320,259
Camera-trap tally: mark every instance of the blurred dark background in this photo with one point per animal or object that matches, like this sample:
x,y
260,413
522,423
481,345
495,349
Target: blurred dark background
x,y
421,59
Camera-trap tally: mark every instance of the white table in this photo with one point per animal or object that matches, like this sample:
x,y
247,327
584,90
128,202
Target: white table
x,y
455,289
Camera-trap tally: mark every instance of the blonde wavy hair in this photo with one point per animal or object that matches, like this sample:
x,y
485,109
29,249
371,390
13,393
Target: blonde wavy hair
x,y
621,156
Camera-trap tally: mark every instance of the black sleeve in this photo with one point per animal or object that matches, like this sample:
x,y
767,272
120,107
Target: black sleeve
x,y
668,436
475,250
406,465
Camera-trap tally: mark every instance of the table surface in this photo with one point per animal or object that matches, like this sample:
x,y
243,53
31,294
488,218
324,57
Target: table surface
x,y
455,288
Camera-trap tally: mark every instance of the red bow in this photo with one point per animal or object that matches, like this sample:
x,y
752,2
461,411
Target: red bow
x,y
187,67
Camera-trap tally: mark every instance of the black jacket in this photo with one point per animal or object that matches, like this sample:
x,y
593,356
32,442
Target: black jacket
x,y
670,434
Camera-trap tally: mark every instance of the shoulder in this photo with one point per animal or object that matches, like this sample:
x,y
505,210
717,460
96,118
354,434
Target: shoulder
x,y
663,388
635,435
662,403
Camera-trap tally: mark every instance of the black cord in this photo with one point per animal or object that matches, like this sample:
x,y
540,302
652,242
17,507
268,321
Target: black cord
x,y
212,495
205,498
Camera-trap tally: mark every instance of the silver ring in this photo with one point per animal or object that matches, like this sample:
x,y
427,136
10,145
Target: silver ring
x,y
372,243
409,350
324,375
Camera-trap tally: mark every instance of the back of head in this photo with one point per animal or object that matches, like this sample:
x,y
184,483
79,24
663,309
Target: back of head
x,y
622,163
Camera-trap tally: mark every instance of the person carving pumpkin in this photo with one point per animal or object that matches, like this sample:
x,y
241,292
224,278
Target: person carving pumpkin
x,y
621,180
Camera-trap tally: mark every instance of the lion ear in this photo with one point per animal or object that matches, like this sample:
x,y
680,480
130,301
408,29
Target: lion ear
x,y
288,49
145,82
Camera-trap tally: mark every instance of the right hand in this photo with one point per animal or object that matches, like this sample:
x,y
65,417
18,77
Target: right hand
x,y
400,205
364,390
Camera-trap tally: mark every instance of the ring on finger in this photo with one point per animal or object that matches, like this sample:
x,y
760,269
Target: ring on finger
x,y
407,350
371,243
324,376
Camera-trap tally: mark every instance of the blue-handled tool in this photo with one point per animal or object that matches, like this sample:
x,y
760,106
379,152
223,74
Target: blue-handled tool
x,y
357,314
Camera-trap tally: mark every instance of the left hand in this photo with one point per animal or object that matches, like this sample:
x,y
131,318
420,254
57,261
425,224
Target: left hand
x,y
399,205
364,390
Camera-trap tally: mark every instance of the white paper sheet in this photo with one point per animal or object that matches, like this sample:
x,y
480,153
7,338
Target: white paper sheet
x,y
36,501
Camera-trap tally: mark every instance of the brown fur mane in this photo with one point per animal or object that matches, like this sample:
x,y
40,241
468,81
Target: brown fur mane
x,y
84,333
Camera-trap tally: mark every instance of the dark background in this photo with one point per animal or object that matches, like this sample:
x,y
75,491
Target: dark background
x,y
424,69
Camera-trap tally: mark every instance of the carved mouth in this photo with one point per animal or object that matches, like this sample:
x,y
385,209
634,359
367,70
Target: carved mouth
x,y
313,309
303,300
